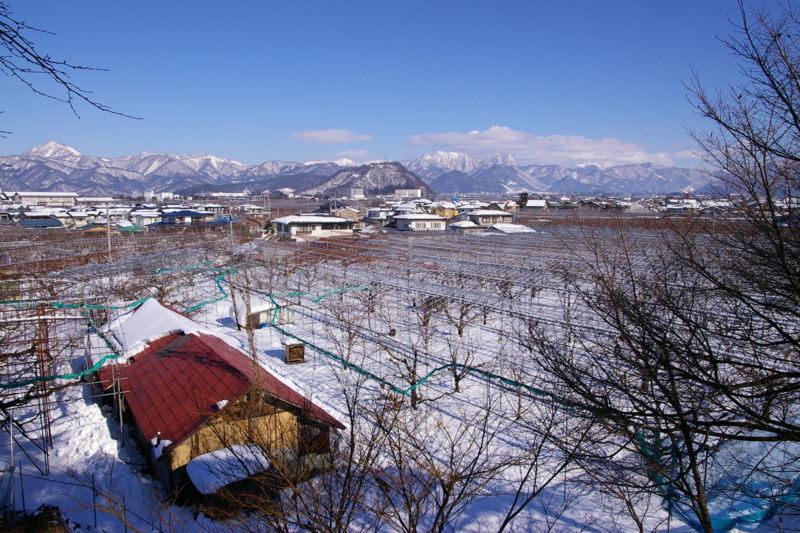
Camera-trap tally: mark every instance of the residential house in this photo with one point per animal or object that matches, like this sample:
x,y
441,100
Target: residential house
x,y
217,209
338,209
184,217
408,193
486,217
465,227
312,225
420,222
444,209
535,204
193,399
252,209
509,229
509,206
145,217
47,224
379,214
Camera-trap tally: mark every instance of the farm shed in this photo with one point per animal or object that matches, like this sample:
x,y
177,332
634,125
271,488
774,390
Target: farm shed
x,y
188,394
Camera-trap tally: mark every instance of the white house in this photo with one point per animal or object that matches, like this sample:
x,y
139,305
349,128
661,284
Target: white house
x,y
487,217
420,222
408,193
300,227
145,217
379,213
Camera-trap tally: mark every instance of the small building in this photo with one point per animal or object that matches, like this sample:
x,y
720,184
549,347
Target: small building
x,y
487,217
509,206
535,204
420,222
444,209
465,227
46,223
258,313
509,229
48,199
312,225
88,201
145,217
379,214
193,398
408,193
350,213
217,209
252,209
184,217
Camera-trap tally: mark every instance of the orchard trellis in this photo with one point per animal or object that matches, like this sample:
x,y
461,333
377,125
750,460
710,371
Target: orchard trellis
x,y
425,316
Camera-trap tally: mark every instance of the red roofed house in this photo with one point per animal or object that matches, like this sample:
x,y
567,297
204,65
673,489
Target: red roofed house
x,y
189,394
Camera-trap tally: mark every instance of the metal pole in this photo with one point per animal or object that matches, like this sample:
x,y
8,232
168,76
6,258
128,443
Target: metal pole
x,y
22,488
121,399
230,222
108,230
94,501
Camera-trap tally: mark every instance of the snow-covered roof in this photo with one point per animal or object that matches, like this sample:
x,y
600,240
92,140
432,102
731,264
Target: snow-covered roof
x,y
44,194
309,218
464,224
511,228
211,471
149,321
257,305
146,213
108,199
489,212
47,212
418,216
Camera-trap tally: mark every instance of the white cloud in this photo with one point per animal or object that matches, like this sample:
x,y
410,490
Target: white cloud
x,y
688,154
329,137
528,148
356,155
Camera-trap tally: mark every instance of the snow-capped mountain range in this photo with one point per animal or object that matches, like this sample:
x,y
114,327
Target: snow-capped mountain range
x,y
57,167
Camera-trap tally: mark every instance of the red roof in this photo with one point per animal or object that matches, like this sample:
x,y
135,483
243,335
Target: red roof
x,y
172,390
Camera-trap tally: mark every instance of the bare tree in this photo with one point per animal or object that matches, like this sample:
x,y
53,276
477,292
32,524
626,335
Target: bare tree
x,y
25,62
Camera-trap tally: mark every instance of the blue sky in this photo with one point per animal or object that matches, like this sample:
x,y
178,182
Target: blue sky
x,y
548,82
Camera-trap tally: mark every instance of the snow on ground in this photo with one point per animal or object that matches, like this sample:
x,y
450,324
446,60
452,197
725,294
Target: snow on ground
x,y
87,443
86,447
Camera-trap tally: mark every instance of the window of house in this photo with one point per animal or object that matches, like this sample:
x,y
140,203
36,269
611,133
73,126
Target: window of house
x,y
304,229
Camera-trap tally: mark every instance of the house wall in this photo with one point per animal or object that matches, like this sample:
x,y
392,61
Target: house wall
x,y
272,432
421,225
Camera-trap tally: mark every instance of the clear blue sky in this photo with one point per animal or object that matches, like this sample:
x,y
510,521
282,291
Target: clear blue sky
x,y
549,82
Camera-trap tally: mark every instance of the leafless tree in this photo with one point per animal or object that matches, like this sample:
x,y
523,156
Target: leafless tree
x,y
23,60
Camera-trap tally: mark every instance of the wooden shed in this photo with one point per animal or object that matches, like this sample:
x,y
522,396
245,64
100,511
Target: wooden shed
x,y
189,394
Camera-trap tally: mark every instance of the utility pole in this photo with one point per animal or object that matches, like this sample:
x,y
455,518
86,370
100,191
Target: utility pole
x,y
108,230
230,222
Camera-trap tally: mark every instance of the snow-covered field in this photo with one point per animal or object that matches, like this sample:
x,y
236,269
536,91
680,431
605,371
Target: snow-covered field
x,y
426,338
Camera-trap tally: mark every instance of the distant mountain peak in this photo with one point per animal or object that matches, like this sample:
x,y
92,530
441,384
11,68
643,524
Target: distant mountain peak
x,y
500,159
56,166
53,149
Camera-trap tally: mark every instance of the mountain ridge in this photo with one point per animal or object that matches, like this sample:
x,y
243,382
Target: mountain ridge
x,y
57,167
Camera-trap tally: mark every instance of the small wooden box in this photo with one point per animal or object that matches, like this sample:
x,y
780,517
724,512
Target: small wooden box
x,y
295,353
